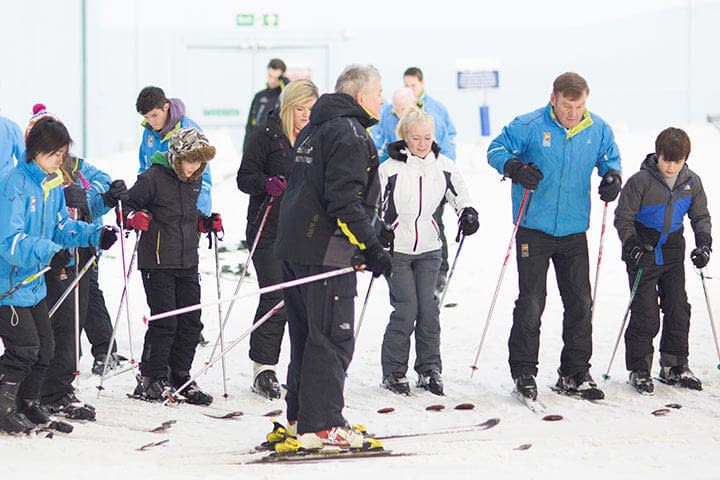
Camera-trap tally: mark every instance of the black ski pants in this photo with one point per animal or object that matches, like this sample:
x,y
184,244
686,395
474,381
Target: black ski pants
x,y
98,325
266,340
28,338
569,255
170,342
666,283
321,324
59,377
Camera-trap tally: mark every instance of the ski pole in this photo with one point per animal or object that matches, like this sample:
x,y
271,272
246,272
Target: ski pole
x,y
243,272
633,291
597,269
224,352
125,278
452,270
70,288
474,367
710,315
220,316
133,364
261,291
364,308
76,297
29,279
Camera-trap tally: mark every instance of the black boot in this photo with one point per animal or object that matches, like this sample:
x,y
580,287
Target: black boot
x,y
642,382
431,381
155,389
11,421
397,383
40,416
267,385
526,387
70,406
192,392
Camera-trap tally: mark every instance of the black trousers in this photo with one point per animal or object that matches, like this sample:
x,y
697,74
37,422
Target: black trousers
x,y
60,375
569,255
665,283
322,327
170,342
265,341
98,325
28,338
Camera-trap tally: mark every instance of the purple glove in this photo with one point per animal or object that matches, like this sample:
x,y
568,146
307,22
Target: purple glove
x,y
275,186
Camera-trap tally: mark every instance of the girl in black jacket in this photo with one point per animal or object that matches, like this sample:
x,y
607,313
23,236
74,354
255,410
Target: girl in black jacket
x,y
264,170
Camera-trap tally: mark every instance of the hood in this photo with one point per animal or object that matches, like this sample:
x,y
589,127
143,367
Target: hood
x,y
396,150
333,105
176,113
650,164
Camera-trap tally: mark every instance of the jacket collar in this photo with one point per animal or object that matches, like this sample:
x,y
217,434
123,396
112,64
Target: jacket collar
x,y
571,132
46,181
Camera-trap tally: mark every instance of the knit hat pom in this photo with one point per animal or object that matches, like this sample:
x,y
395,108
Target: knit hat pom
x,y
38,107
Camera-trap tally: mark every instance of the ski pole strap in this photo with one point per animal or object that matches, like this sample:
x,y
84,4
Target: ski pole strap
x,y
261,291
29,279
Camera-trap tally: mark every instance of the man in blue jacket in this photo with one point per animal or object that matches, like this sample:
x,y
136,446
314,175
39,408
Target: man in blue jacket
x,y
12,144
163,118
550,154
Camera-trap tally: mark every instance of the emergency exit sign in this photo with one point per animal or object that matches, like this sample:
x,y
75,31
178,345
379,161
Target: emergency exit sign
x,y
257,19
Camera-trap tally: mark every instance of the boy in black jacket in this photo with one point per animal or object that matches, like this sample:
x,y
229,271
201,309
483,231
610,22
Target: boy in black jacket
x,y
162,205
649,220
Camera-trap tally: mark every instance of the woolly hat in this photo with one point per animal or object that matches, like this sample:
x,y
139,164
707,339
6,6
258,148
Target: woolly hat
x,y
189,145
39,112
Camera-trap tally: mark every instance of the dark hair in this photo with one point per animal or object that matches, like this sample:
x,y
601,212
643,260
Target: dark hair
x,y
277,64
673,144
46,136
414,72
570,85
150,98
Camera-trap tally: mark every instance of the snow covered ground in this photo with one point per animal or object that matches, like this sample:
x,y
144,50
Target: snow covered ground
x,y
619,439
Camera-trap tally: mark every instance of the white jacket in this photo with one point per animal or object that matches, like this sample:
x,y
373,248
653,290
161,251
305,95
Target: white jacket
x,y
412,190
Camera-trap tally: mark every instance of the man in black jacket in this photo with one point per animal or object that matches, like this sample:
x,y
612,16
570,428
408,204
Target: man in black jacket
x,y
267,99
325,224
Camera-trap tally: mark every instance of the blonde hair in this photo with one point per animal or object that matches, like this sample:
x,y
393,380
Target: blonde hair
x,y
297,92
412,116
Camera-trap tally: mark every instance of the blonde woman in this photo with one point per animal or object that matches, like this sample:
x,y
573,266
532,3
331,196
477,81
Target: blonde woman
x,y
264,170
416,178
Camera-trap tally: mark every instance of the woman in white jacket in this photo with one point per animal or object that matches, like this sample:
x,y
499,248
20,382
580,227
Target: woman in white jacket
x,y
416,178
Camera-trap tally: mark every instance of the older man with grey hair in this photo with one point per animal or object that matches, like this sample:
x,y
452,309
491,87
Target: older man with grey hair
x,y
325,224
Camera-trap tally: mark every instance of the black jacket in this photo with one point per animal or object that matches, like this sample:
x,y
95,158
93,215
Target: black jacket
x,y
264,102
334,189
267,153
172,240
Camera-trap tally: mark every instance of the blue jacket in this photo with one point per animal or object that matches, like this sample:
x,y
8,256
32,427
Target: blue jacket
x,y
151,143
34,226
384,134
561,204
11,145
96,183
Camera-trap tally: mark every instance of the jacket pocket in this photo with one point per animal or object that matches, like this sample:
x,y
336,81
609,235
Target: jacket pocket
x,y
340,323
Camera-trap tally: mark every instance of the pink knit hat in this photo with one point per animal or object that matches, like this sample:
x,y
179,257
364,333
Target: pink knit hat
x,y
39,112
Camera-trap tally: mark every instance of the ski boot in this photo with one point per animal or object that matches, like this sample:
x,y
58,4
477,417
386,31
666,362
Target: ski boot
x,y
397,383
266,384
526,388
155,390
680,375
642,382
580,384
192,393
11,421
431,381
99,364
40,416
70,406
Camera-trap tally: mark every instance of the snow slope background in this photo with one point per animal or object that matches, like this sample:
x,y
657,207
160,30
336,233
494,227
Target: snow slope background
x,y
619,439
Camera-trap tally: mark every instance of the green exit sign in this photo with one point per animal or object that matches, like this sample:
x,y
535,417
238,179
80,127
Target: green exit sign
x,y
257,19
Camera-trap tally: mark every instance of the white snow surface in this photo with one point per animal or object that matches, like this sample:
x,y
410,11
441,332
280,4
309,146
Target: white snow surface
x,y
619,439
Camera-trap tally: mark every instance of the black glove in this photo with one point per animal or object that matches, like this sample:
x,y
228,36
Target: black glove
x,y
117,191
386,236
60,260
108,236
526,174
610,186
637,254
76,197
468,221
700,256
375,259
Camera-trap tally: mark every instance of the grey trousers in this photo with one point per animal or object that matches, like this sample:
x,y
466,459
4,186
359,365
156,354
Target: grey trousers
x,y
412,295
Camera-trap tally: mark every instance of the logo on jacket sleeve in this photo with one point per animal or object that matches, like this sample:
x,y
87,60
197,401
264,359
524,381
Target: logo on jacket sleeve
x,y
546,139
150,141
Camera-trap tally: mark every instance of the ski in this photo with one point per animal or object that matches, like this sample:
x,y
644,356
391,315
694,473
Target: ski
x,y
150,445
591,396
535,406
227,416
486,425
163,427
313,456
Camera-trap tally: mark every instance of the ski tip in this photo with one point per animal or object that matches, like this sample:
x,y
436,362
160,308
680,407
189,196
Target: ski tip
x,y
606,376
553,418
386,410
464,406
676,406
524,446
273,413
450,305
661,412
435,407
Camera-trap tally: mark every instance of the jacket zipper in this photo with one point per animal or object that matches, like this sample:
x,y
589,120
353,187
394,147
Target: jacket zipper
x,y
417,234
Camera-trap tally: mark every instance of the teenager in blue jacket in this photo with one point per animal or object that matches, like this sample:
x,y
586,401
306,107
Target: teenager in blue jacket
x,y
35,230
550,154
